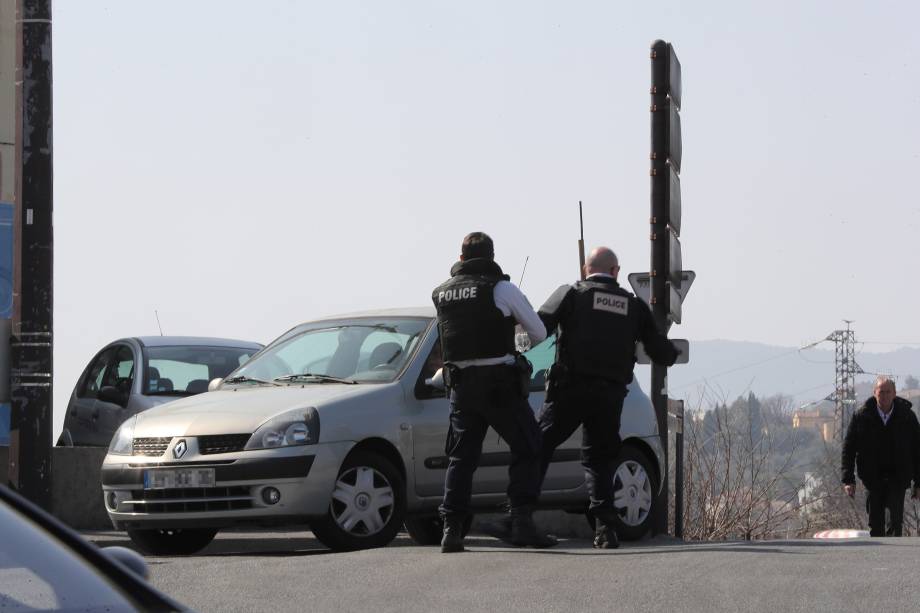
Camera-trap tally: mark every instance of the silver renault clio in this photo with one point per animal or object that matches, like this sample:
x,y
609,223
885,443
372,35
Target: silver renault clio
x,y
339,424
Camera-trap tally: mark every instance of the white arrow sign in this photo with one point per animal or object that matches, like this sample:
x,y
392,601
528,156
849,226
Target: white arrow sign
x,y
641,283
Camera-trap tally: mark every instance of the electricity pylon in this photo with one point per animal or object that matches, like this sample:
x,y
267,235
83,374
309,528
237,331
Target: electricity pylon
x,y
845,380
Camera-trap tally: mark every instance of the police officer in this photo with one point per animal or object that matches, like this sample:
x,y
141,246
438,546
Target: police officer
x,y
477,311
598,324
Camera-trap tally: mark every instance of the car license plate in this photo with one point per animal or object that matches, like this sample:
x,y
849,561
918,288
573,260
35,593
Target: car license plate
x,y
162,479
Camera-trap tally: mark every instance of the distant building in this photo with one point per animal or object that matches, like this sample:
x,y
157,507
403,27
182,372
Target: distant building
x,y
815,419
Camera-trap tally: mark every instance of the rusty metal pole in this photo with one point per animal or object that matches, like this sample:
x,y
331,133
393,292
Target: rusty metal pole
x,y
31,340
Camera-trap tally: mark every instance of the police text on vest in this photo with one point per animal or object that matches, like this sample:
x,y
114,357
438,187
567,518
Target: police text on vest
x,y
460,293
611,302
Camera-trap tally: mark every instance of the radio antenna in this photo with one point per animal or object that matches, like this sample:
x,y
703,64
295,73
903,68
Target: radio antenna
x,y
158,321
521,281
581,244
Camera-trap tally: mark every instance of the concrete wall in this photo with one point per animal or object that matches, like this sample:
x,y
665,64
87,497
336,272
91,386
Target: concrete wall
x,y
76,490
76,487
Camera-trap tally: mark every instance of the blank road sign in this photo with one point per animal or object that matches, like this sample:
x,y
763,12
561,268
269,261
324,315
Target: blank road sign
x,y
641,284
682,344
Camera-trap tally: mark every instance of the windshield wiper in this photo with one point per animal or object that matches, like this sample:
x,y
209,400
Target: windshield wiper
x,y
245,379
318,377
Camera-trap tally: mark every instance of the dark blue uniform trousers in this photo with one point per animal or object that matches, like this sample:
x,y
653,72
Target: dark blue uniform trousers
x,y
484,396
596,405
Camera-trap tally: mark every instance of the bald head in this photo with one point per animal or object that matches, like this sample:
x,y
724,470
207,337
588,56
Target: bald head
x,y
602,260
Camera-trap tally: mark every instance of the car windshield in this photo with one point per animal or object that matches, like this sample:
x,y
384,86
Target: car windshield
x,y
366,350
38,573
183,371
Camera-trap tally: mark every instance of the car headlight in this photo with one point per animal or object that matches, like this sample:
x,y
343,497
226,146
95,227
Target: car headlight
x,y
123,441
297,427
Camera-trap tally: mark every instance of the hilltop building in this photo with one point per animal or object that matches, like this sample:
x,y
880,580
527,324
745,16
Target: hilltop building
x,y
815,419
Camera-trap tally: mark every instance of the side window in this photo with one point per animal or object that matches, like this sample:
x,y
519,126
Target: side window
x,y
121,372
170,375
93,382
433,362
542,357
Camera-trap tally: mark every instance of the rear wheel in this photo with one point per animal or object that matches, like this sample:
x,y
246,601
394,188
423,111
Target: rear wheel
x,y
367,507
634,492
178,541
428,529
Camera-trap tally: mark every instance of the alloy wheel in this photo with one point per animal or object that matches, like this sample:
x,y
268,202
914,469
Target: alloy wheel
x,y
362,501
632,492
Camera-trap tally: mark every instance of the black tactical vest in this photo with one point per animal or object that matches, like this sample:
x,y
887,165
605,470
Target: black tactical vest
x,y
599,338
470,325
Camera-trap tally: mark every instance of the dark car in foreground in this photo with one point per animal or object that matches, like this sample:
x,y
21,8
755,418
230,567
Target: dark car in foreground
x,y
46,566
131,375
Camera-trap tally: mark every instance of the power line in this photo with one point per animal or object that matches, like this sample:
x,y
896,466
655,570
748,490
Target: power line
x,y
746,366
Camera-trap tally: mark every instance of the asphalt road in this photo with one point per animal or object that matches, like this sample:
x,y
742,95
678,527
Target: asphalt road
x,y
290,571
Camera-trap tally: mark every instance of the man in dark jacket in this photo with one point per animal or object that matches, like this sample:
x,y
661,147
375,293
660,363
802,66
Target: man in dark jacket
x,y
883,441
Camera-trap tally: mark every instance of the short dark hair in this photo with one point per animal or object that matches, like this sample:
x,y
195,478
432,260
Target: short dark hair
x,y
477,245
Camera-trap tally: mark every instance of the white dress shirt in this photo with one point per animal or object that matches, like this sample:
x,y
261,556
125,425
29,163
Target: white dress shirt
x,y
512,302
885,416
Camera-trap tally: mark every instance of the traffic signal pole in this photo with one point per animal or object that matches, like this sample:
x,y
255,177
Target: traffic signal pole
x,y
31,339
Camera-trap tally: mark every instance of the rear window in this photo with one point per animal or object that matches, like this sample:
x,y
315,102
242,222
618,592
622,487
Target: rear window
x,y
183,371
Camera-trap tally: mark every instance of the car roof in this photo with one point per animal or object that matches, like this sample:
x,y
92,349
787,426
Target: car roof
x,y
194,341
426,312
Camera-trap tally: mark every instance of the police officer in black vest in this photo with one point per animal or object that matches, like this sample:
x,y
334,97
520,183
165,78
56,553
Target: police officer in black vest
x,y
477,311
598,324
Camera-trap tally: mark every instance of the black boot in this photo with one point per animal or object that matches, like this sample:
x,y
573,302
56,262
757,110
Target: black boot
x,y
524,532
452,541
605,535
500,528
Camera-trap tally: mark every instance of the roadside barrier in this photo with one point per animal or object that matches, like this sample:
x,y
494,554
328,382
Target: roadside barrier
x,y
841,534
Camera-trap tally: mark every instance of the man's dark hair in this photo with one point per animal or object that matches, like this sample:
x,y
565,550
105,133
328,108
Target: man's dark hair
x,y
477,245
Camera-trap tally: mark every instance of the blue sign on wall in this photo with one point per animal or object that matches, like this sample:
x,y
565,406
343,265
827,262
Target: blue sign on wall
x,y
4,424
6,306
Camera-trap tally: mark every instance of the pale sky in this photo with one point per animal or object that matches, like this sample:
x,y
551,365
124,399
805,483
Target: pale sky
x,y
242,167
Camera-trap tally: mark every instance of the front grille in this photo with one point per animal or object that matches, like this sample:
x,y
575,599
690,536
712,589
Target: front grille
x,y
190,500
221,443
150,446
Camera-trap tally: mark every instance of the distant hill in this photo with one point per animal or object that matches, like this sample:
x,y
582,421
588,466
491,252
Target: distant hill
x,y
726,369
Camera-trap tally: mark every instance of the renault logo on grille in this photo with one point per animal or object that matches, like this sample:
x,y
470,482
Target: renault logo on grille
x,y
180,449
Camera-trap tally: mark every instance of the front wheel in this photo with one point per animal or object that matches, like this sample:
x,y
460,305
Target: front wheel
x,y
367,507
172,542
634,491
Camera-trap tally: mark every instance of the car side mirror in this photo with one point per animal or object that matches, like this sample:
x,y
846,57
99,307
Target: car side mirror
x,y
128,558
436,381
214,384
111,394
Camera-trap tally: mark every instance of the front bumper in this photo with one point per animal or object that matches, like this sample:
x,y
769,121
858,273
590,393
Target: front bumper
x,y
304,477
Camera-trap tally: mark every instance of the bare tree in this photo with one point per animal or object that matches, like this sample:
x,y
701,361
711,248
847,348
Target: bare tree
x,y
740,479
